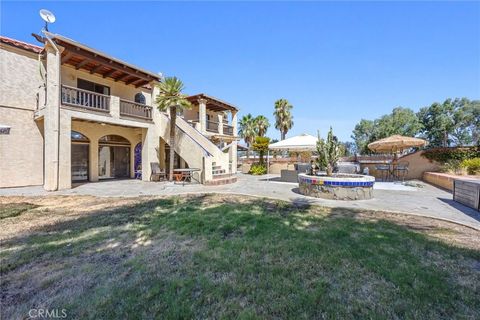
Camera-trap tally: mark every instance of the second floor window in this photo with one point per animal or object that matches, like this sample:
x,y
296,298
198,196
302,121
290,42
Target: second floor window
x,y
140,98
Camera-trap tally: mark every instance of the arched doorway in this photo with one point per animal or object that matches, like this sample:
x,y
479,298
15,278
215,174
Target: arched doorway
x,y
79,161
113,157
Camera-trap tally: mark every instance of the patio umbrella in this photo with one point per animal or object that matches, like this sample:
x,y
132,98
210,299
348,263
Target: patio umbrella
x,y
396,144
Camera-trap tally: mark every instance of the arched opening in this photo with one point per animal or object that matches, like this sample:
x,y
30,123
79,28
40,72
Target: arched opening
x,y
113,157
140,98
80,156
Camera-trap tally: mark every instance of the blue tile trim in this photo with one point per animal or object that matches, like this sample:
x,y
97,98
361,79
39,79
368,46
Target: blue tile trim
x,y
338,183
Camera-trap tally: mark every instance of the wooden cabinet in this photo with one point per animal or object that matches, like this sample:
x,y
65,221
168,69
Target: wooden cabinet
x,y
467,192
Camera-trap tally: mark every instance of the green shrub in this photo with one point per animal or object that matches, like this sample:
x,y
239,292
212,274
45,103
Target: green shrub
x,y
258,169
471,165
452,166
445,155
261,146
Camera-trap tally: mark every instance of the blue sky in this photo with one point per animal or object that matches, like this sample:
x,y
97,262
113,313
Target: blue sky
x,y
335,62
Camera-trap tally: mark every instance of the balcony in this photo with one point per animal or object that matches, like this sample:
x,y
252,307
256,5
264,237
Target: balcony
x,y
228,130
212,126
136,110
92,101
85,99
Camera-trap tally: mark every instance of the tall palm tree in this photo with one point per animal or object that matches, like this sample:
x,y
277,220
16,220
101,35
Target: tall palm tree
x,y
262,124
283,117
247,130
171,98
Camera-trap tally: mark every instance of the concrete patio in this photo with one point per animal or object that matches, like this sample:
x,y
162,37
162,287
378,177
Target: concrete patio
x,y
416,198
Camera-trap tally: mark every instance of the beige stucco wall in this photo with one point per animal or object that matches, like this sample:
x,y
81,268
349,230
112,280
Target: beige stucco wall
x,y
19,78
21,152
418,165
441,180
275,166
119,89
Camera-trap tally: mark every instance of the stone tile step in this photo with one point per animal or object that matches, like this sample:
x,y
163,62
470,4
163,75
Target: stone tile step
x,y
221,171
223,176
216,167
218,182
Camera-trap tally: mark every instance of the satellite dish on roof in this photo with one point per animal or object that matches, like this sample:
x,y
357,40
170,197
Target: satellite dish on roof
x,y
47,16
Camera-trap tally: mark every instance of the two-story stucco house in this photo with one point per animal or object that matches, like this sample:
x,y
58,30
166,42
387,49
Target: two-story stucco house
x,y
70,113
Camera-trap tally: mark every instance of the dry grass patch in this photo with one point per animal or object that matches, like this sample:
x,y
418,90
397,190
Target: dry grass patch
x,y
214,256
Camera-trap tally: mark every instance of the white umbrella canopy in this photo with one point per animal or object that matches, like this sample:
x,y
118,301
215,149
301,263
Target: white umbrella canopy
x,y
303,142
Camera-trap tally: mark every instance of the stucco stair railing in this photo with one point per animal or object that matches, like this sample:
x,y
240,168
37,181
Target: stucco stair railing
x,y
196,149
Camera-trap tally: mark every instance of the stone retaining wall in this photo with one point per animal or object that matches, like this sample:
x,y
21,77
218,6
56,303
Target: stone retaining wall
x,y
444,180
337,188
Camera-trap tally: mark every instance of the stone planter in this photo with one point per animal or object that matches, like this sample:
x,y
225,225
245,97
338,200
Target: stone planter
x,y
337,187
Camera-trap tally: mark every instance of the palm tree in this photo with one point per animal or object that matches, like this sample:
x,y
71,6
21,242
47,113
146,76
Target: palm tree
x,y
248,130
283,117
262,125
171,98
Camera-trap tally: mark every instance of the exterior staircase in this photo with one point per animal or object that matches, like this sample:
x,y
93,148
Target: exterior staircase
x,y
220,176
198,151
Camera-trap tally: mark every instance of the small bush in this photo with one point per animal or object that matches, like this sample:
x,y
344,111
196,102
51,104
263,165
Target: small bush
x,y
258,169
305,156
471,165
452,166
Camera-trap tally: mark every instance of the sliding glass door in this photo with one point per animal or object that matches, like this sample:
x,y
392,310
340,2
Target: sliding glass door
x,y
113,158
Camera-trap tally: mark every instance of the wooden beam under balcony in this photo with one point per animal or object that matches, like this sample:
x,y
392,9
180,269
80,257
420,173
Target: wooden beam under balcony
x,y
82,53
132,81
109,73
141,84
122,77
81,64
96,68
75,54
67,57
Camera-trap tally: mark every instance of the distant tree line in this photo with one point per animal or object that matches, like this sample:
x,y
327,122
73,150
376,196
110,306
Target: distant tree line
x,y
455,122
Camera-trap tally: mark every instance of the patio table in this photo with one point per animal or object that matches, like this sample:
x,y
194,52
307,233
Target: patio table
x,y
181,175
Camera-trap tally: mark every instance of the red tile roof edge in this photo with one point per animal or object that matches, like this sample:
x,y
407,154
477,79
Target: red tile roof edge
x,y
21,44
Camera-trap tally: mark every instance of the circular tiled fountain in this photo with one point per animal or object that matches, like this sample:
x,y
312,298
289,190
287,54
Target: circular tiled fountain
x,y
338,186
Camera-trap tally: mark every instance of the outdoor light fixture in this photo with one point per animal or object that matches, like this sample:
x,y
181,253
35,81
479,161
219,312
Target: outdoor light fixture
x,y
4,129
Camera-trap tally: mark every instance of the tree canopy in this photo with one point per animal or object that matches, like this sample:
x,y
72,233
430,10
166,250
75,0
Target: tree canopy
x,y
262,124
451,123
283,117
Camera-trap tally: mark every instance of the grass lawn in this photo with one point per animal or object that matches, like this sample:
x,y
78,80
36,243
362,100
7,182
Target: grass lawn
x,y
231,257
